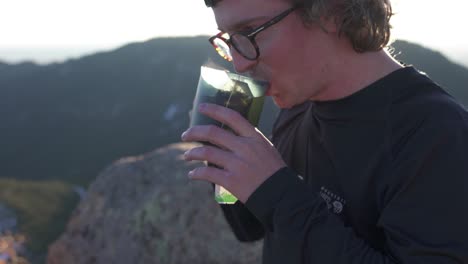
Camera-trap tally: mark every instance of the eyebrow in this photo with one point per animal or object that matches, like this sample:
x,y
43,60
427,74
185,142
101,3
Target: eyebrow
x,y
242,23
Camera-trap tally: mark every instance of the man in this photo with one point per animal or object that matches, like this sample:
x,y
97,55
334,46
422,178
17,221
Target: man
x,y
369,161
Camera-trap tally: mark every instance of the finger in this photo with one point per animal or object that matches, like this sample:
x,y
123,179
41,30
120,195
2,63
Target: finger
x,y
229,117
210,174
212,134
214,155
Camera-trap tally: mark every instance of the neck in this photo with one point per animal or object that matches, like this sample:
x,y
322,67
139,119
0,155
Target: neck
x,y
355,71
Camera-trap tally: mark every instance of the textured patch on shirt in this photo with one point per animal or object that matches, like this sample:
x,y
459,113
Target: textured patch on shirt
x,y
334,202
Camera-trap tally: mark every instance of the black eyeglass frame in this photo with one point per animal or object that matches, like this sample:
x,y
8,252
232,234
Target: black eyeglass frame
x,y
211,3
250,35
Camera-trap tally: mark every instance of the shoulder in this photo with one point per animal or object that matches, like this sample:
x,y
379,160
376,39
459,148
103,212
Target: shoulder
x,y
420,106
419,99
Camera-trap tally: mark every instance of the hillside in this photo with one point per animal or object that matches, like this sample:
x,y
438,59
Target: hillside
x,y
67,121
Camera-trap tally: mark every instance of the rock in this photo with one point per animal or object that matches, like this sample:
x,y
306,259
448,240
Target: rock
x,y
145,210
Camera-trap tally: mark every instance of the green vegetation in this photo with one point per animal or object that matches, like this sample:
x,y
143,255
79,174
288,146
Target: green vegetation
x,y
42,208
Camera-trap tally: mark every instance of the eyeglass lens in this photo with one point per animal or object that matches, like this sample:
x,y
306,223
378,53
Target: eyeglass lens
x,y
244,46
222,48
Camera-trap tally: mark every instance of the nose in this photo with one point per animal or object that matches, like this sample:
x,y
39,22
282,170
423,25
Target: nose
x,y
240,63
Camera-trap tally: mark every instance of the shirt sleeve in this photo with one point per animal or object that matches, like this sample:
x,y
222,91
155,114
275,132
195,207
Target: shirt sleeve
x,y
243,223
424,214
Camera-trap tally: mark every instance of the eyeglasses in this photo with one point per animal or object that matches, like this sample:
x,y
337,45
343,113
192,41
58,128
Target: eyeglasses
x,y
244,41
210,3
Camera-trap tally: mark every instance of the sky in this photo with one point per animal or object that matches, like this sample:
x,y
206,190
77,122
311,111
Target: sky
x,y
54,30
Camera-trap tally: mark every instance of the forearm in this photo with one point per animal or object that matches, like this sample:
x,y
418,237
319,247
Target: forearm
x,y
309,233
302,224
243,223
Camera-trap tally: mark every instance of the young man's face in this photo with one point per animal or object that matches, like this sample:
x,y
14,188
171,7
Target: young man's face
x,y
292,57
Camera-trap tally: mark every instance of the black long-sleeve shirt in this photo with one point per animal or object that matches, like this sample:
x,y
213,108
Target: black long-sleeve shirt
x,y
380,176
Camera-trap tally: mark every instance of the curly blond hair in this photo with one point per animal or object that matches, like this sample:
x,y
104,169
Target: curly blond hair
x,y
366,23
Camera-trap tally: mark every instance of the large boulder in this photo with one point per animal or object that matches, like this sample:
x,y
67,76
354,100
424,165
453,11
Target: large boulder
x,y
145,210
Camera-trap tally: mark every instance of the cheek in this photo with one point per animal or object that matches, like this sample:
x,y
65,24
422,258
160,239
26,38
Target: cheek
x,y
281,59
286,66
276,50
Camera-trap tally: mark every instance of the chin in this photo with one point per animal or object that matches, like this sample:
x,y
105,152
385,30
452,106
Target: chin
x,y
281,104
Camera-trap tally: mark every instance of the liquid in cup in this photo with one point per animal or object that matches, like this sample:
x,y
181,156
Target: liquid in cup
x,y
242,94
